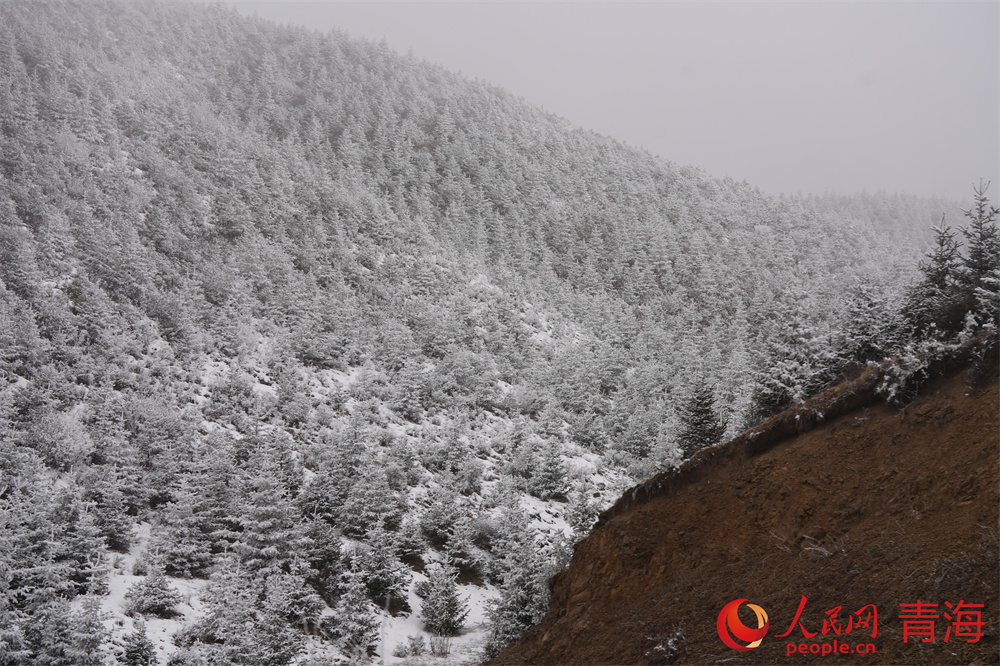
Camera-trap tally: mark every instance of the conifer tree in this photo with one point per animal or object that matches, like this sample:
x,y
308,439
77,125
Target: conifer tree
x,y
180,542
524,598
701,426
442,610
386,578
797,361
59,634
79,544
12,647
152,596
873,329
548,478
289,599
203,518
582,512
370,502
272,534
323,558
246,619
460,549
980,275
933,306
410,542
88,634
110,512
139,650
358,623
441,514
513,535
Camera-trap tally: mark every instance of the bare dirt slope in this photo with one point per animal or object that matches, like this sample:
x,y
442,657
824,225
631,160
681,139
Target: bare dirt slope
x,y
876,506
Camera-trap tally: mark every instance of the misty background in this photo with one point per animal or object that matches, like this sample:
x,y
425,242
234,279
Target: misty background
x,y
310,351
792,97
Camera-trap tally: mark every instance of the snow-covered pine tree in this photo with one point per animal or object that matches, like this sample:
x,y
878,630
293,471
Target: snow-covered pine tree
x,y
442,512
410,542
273,534
80,544
243,623
139,650
459,547
980,277
582,511
12,648
358,624
701,426
873,329
88,634
442,610
548,476
110,511
181,541
932,306
797,362
370,501
386,578
153,595
60,634
323,558
291,600
524,598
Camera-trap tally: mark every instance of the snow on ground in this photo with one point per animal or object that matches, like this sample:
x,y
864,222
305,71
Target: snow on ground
x,y
585,469
160,631
466,648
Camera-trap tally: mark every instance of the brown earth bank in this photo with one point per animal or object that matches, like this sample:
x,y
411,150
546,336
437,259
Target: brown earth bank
x,y
879,505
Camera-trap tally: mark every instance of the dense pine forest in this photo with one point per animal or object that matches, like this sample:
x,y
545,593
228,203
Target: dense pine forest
x,y
310,350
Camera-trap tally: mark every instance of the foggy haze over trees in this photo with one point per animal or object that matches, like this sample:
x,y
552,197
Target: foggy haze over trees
x,y
792,97
301,339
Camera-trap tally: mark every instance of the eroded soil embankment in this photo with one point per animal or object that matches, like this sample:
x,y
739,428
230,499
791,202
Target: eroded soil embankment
x,y
877,506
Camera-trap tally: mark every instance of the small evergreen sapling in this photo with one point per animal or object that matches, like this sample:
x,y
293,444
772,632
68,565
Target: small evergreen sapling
x,y
152,596
582,512
442,610
139,650
410,542
548,476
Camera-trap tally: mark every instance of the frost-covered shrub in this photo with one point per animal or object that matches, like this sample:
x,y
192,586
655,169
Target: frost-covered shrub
x,y
416,644
902,378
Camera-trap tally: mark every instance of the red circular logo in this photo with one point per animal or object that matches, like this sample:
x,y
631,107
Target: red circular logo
x,y
729,623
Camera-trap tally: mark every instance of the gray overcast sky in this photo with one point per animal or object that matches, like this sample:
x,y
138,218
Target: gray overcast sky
x,y
788,96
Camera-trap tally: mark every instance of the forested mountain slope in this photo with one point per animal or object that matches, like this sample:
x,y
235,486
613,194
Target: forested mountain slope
x,y
312,313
